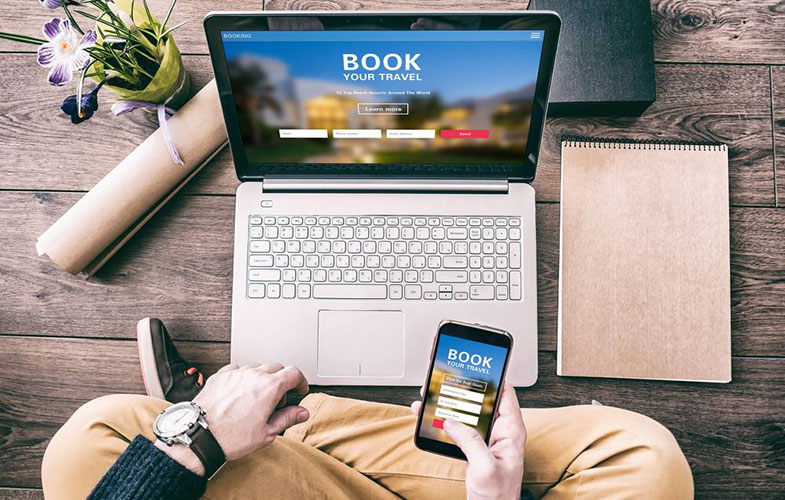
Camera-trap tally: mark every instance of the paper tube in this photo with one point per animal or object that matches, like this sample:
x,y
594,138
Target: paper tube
x,y
91,231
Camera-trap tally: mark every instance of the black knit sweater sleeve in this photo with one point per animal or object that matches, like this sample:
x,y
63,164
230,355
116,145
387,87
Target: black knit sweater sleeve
x,y
143,472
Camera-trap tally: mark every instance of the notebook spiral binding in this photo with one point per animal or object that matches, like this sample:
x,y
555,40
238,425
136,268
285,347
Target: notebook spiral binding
x,y
574,141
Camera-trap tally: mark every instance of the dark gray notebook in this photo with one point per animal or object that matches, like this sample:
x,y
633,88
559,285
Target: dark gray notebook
x,y
605,60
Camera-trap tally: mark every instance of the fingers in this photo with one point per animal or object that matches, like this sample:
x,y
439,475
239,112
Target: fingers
x,y
227,368
509,426
285,418
271,367
469,441
416,404
508,404
291,378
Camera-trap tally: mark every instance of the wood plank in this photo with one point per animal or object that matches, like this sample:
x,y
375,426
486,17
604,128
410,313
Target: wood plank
x,y
21,494
732,434
684,30
695,102
778,117
758,281
26,18
39,146
179,268
729,104
749,32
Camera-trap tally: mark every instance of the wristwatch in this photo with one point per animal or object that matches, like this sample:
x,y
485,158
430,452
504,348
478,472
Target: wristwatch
x,y
184,424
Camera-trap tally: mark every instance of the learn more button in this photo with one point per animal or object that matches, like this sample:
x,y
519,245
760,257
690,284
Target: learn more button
x,y
464,134
383,108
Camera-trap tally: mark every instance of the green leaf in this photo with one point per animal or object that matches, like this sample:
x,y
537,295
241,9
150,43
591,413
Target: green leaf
x,y
168,15
80,89
21,38
71,18
147,11
172,29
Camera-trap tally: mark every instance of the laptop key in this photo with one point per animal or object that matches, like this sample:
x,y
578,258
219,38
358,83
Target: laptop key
x,y
261,261
515,285
455,262
412,292
515,255
482,292
349,291
452,276
264,275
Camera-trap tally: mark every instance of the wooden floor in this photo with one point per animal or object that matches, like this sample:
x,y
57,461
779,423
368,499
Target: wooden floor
x,y
63,341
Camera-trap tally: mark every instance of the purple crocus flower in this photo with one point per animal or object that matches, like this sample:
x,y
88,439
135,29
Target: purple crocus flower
x,y
64,52
89,106
51,4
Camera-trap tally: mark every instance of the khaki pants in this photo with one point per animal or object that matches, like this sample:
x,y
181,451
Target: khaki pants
x,y
358,450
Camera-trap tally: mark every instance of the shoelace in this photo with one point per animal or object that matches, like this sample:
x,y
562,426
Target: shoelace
x,y
200,377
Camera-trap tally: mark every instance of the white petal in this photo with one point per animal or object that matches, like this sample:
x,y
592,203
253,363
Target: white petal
x,y
51,29
46,55
79,60
88,40
60,73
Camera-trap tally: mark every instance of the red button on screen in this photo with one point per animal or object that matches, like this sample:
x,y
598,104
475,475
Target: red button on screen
x,y
464,134
438,424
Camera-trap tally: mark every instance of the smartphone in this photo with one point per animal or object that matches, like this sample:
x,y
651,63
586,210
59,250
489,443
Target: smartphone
x,y
468,365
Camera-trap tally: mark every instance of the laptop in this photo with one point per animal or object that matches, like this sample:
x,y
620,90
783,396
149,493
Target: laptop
x,y
385,161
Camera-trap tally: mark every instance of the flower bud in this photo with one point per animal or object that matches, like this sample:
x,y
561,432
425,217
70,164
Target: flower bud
x,y
124,17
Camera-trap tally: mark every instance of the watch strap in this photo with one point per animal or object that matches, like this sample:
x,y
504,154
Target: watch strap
x,y
208,450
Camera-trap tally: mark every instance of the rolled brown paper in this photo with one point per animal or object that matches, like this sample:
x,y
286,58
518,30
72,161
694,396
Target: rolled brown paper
x,y
110,213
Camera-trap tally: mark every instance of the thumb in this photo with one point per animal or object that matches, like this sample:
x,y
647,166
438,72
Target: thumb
x,y
286,417
468,440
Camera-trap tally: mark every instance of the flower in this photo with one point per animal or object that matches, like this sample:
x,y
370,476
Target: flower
x,y
89,106
64,52
124,17
51,4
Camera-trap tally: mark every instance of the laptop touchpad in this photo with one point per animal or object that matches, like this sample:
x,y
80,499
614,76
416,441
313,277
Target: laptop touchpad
x,y
360,344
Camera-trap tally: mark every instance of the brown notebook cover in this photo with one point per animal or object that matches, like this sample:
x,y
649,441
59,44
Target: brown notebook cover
x,y
644,267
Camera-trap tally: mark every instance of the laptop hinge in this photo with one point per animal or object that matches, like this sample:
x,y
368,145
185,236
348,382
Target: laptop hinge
x,y
352,185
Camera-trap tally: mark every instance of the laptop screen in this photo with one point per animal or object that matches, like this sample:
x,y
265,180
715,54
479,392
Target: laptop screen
x,y
459,97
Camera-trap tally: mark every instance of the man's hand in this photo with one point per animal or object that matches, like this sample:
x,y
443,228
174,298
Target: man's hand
x,y
240,409
494,471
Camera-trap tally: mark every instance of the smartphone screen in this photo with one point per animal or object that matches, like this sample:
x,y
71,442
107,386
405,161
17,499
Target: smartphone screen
x,y
467,371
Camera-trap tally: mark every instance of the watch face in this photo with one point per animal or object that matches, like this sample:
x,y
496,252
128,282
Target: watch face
x,y
176,419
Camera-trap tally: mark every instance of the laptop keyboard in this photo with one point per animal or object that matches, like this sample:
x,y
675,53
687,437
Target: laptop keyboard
x,y
384,257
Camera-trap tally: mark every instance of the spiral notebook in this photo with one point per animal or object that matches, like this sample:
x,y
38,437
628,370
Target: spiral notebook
x,y
644,266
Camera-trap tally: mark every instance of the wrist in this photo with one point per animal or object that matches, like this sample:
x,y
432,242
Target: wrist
x,y
183,455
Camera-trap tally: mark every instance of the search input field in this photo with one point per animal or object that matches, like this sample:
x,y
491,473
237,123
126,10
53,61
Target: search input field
x,y
411,134
303,133
357,133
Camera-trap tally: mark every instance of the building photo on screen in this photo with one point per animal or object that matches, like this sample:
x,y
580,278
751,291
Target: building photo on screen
x,y
404,97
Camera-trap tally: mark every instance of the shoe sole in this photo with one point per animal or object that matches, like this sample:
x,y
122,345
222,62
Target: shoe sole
x,y
152,384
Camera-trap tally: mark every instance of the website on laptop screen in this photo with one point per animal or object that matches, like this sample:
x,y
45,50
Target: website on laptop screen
x,y
405,97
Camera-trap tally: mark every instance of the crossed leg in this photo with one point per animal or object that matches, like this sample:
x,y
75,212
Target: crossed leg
x,y
356,449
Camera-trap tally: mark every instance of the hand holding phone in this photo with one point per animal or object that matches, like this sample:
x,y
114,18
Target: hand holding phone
x,y
495,458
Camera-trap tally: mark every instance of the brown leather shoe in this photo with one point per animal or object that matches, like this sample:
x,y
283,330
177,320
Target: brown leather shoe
x,y
165,373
